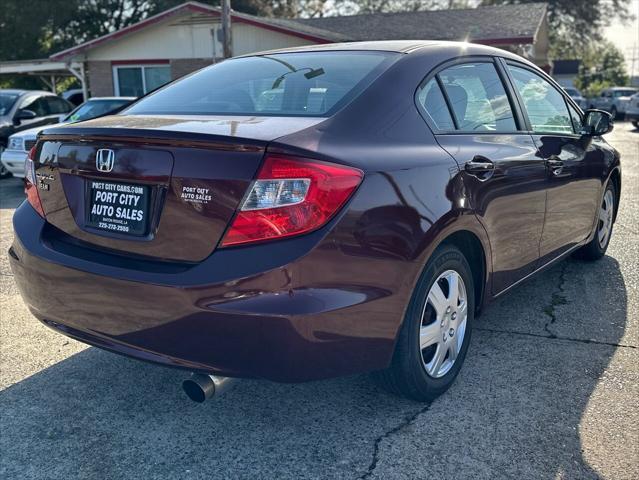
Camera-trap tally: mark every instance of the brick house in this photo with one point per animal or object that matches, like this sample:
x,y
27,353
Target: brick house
x,y
143,56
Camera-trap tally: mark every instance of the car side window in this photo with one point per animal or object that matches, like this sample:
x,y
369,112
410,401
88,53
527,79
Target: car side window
x,y
545,105
58,105
36,105
478,98
430,97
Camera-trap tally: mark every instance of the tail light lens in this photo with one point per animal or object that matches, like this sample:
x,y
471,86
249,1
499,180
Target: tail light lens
x,y
291,196
30,183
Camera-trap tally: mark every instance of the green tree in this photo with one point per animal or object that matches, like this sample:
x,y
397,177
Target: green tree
x,y
43,27
603,65
23,33
574,23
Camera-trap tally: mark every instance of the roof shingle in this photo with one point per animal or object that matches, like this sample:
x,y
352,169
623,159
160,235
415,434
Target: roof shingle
x,y
488,24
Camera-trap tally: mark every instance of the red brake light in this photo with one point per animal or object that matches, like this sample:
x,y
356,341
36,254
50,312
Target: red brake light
x,y
291,196
30,183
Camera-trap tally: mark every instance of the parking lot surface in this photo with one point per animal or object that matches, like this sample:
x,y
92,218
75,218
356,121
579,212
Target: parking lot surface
x,y
549,390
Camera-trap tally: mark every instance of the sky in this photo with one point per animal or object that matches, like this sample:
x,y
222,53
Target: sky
x,y
626,37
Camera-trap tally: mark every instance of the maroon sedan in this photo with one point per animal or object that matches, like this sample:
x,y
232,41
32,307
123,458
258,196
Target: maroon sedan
x,y
314,212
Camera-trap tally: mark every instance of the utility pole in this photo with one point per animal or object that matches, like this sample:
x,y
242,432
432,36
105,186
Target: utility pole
x,y
226,28
214,40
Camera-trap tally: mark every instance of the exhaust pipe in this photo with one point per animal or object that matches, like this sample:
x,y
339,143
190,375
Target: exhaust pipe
x,y
201,387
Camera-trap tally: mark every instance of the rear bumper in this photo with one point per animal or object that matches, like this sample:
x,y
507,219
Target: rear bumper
x,y
14,160
316,313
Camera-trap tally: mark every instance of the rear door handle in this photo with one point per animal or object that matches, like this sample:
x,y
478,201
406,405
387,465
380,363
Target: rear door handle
x,y
555,164
480,167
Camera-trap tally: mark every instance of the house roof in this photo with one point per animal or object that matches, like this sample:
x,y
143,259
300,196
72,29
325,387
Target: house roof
x,y
495,25
307,32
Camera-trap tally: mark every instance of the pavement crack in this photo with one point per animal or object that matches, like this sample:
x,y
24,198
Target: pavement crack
x,y
557,299
555,337
376,447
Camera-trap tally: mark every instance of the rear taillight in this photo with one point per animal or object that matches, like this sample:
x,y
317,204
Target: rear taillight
x,y
291,196
30,183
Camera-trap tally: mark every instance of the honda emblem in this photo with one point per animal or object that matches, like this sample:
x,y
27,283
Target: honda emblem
x,y
104,160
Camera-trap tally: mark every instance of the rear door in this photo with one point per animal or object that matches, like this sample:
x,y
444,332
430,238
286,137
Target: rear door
x,y
474,118
605,100
574,165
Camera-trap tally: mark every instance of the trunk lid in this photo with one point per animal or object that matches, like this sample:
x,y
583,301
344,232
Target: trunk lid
x,y
150,186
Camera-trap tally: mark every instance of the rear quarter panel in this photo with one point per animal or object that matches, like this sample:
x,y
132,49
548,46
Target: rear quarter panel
x,y
412,197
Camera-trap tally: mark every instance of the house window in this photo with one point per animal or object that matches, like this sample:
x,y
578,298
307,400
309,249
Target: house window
x,y
137,80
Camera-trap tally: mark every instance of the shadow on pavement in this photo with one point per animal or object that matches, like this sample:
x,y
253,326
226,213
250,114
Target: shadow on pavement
x,y
514,412
11,192
537,356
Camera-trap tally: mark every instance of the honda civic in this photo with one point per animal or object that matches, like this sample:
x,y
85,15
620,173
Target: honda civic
x,y
314,212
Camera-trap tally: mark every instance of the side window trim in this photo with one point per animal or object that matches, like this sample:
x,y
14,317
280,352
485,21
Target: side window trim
x,y
520,119
567,100
521,113
440,85
577,131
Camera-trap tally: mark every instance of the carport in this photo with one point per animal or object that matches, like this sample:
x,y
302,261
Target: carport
x,y
47,71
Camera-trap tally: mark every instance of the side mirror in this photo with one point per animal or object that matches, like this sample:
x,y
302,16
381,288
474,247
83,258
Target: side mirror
x,y
25,115
596,123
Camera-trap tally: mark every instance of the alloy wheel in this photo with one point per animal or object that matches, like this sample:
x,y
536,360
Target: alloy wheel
x,y
606,213
443,323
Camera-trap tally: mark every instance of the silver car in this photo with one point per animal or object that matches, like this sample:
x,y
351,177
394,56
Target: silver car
x,y
577,97
20,143
24,109
614,100
632,112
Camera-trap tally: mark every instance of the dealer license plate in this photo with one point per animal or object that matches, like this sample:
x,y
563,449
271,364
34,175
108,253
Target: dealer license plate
x,y
118,207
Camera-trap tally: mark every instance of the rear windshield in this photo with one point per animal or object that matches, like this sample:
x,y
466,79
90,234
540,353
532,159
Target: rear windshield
x,y
297,84
95,108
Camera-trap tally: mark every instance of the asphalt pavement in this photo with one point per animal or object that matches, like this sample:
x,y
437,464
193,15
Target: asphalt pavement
x,y
549,390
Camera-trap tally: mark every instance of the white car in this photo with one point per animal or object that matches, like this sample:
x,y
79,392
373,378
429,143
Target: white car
x,y
19,144
614,100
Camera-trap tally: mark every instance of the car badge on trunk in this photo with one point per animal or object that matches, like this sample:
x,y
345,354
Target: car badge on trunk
x,y
104,160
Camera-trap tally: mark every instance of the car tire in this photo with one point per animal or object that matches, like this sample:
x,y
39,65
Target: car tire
x,y
635,123
614,113
4,172
596,248
413,371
